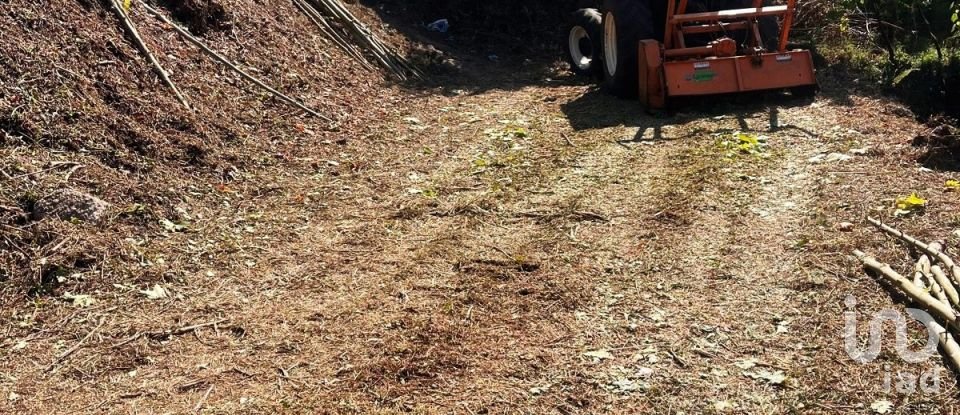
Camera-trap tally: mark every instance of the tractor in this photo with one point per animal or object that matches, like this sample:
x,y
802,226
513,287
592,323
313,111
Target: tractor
x,y
659,50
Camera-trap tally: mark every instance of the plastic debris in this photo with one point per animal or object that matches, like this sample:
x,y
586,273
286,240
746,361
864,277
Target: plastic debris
x,y
442,26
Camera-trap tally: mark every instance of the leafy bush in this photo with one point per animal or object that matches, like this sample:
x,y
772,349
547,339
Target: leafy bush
x,y
911,46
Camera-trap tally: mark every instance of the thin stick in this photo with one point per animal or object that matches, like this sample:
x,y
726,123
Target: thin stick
x,y
947,262
187,329
202,400
75,347
168,333
220,58
132,31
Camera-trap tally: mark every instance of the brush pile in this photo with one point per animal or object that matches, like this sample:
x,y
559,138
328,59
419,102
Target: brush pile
x,y
939,145
331,17
933,287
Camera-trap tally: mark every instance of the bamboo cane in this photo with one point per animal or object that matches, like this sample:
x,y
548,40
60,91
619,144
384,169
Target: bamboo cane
x,y
138,40
949,347
936,308
390,60
318,20
948,263
220,58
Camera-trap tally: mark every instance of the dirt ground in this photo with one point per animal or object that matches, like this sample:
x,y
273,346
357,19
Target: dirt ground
x,y
517,242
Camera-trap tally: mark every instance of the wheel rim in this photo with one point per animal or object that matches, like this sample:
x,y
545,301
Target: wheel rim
x,y
610,43
576,38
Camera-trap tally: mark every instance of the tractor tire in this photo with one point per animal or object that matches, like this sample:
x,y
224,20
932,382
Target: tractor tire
x,y
625,24
583,44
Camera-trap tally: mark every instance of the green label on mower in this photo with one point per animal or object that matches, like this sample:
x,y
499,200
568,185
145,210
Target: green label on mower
x,y
703,76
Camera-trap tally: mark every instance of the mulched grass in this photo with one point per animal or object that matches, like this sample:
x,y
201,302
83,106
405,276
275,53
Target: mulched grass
x,y
436,252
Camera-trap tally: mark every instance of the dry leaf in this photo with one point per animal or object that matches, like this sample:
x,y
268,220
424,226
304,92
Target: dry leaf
x,y
155,293
773,377
881,406
746,363
79,300
599,354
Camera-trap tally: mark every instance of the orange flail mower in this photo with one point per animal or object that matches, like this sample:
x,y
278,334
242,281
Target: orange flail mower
x,y
658,50
671,69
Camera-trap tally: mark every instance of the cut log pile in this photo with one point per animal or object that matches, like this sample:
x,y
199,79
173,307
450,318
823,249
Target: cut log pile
x,y
933,287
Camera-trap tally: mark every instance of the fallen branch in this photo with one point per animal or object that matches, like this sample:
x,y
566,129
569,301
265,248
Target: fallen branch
x,y
220,58
949,347
947,286
168,333
921,273
939,310
931,249
135,35
923,280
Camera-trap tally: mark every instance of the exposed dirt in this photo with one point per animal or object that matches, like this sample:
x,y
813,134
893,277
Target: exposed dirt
x,y
511,242
200,16
939,145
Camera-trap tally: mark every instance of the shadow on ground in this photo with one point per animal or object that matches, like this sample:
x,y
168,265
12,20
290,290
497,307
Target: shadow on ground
x,y
596,109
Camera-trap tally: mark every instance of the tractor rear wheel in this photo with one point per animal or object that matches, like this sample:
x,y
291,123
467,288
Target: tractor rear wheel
x,y
582,45
625,24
